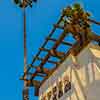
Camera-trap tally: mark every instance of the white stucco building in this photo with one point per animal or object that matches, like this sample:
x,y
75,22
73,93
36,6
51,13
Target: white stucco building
x,y
80,73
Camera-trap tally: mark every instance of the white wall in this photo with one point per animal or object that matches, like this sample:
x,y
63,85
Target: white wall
x,y
84,80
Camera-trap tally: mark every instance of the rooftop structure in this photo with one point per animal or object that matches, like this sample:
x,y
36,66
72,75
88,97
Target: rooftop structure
x,y
77,78
74,22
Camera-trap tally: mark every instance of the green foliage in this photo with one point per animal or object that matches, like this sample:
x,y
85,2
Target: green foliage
x,y
77,6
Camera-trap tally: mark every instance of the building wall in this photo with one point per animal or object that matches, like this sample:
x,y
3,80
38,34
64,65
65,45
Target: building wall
x,y
83,73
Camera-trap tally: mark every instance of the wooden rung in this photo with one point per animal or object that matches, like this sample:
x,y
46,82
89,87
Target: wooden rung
x,y
63,42
53,62
44,49
33,83
58,26
33,66
38,74
39,70
48,60
42,70
56,53
53,52
34,74
41,74
93,21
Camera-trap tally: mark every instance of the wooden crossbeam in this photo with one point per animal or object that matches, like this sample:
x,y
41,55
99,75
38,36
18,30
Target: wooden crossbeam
x,y
61,38
54,47
33,83
39,70
77,48
44,49
58,26
38,74
63,42
73,51
49,53
43,70
50,61
56,53
93,21
53,52
41,74
50,34
34,74
94,37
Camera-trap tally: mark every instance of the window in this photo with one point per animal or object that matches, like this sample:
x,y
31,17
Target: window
x,y
54,93
49,94
60,87
67,84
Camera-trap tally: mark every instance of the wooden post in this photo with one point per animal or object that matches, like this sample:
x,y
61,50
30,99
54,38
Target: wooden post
x,y
25,88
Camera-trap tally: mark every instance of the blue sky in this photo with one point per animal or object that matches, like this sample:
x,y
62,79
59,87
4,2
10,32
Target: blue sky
x,y
39,22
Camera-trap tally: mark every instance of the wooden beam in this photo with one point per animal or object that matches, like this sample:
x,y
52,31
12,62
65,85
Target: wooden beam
x,y
63,42
77,48
38,74
44,49
50,34
39,70
34,74
30,83
36,91
56,53
50,61
41,74
61,38
50,72
33,83
54,48
43,70
66,55
93,21
58,26
53,52
49,53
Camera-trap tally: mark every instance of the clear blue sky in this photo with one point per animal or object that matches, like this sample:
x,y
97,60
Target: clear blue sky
x,y
39,22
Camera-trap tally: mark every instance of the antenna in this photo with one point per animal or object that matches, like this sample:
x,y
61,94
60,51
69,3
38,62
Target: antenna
x,y
23,4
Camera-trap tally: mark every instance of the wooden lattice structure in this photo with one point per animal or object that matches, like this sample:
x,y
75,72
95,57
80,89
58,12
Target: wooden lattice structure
x,y
66,25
